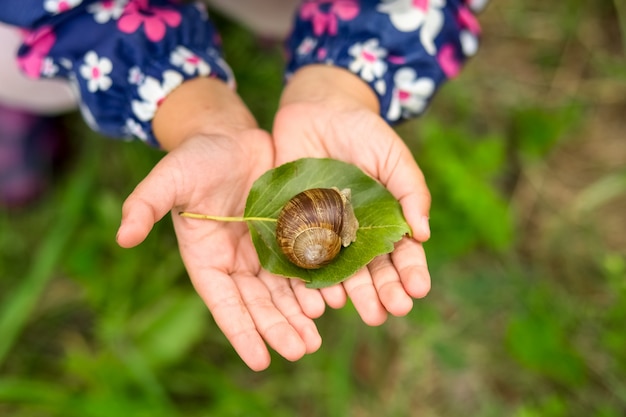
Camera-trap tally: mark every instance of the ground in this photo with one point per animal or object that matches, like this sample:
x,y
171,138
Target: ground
x,y
524,154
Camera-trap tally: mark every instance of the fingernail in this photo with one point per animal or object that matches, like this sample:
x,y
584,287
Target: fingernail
x,y
426,226
119,232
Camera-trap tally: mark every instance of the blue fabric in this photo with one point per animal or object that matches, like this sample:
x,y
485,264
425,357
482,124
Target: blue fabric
x,y
125,56
404,49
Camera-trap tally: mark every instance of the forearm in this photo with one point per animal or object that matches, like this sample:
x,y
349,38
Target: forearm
x,y
200,106
334,86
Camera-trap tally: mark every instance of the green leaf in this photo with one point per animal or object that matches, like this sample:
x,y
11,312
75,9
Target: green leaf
x,y
381,222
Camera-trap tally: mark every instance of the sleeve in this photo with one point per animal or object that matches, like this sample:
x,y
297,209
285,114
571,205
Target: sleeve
x,y
404,49
122,56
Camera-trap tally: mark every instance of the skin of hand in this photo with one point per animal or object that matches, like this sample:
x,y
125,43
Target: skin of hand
x,y
215,152
327,111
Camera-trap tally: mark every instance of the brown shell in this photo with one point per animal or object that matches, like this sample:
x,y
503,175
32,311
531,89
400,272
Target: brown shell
x,y
311,227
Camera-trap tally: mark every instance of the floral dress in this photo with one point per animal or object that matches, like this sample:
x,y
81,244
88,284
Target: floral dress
x,y
125,56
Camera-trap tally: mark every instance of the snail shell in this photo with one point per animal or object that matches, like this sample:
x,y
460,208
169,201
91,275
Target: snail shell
x,y
314,225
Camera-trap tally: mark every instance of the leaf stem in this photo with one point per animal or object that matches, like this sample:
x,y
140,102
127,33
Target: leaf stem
x,y
225,218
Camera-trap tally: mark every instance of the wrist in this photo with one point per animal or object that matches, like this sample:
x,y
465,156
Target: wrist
x,y
200,106
334,86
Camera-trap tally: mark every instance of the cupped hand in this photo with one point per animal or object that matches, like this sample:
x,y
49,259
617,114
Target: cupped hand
x,y
212,174
328,112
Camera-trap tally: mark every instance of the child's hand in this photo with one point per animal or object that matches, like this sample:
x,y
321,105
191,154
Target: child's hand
x,y
212,173
329,112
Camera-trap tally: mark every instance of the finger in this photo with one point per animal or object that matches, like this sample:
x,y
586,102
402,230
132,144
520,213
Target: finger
x,y
403,178
311,301
231,314
409,260
334,296
285,301
390,290
390,161
365,298
152,199
271,324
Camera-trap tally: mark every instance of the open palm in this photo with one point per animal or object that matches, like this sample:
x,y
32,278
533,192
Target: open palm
x,y
212,175
360,137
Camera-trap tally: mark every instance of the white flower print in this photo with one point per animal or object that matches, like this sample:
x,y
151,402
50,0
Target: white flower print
x,y
410,94
48,68
307,46
432,25
230,76
106,10
135,75
380,86
65,63
152,93
60,6
368,60
202,10
134,129
96,71
190,63
469,43
411,15
88,116
406,15
477,5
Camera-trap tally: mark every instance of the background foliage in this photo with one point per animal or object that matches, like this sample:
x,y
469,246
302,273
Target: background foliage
x,y
524,154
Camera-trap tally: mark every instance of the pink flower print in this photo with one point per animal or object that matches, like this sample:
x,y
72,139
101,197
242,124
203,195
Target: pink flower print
x,y
60,6
324,14
420,4
470,30
322,54
396,59
448,62
468,21
154,19
39,44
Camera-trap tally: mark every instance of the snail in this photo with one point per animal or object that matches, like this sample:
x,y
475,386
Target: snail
x,y
314,225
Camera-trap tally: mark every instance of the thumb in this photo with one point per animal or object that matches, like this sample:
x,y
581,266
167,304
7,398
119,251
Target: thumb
x,y
406,182
152,199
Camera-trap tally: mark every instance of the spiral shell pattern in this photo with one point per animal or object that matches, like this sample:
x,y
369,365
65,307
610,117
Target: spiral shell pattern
x,y
309,227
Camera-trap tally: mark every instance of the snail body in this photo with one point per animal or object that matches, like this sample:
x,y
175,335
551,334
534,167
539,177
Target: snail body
x,y
314,225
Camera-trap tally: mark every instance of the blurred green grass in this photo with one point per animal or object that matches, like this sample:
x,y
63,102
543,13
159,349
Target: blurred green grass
x,y
524,155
